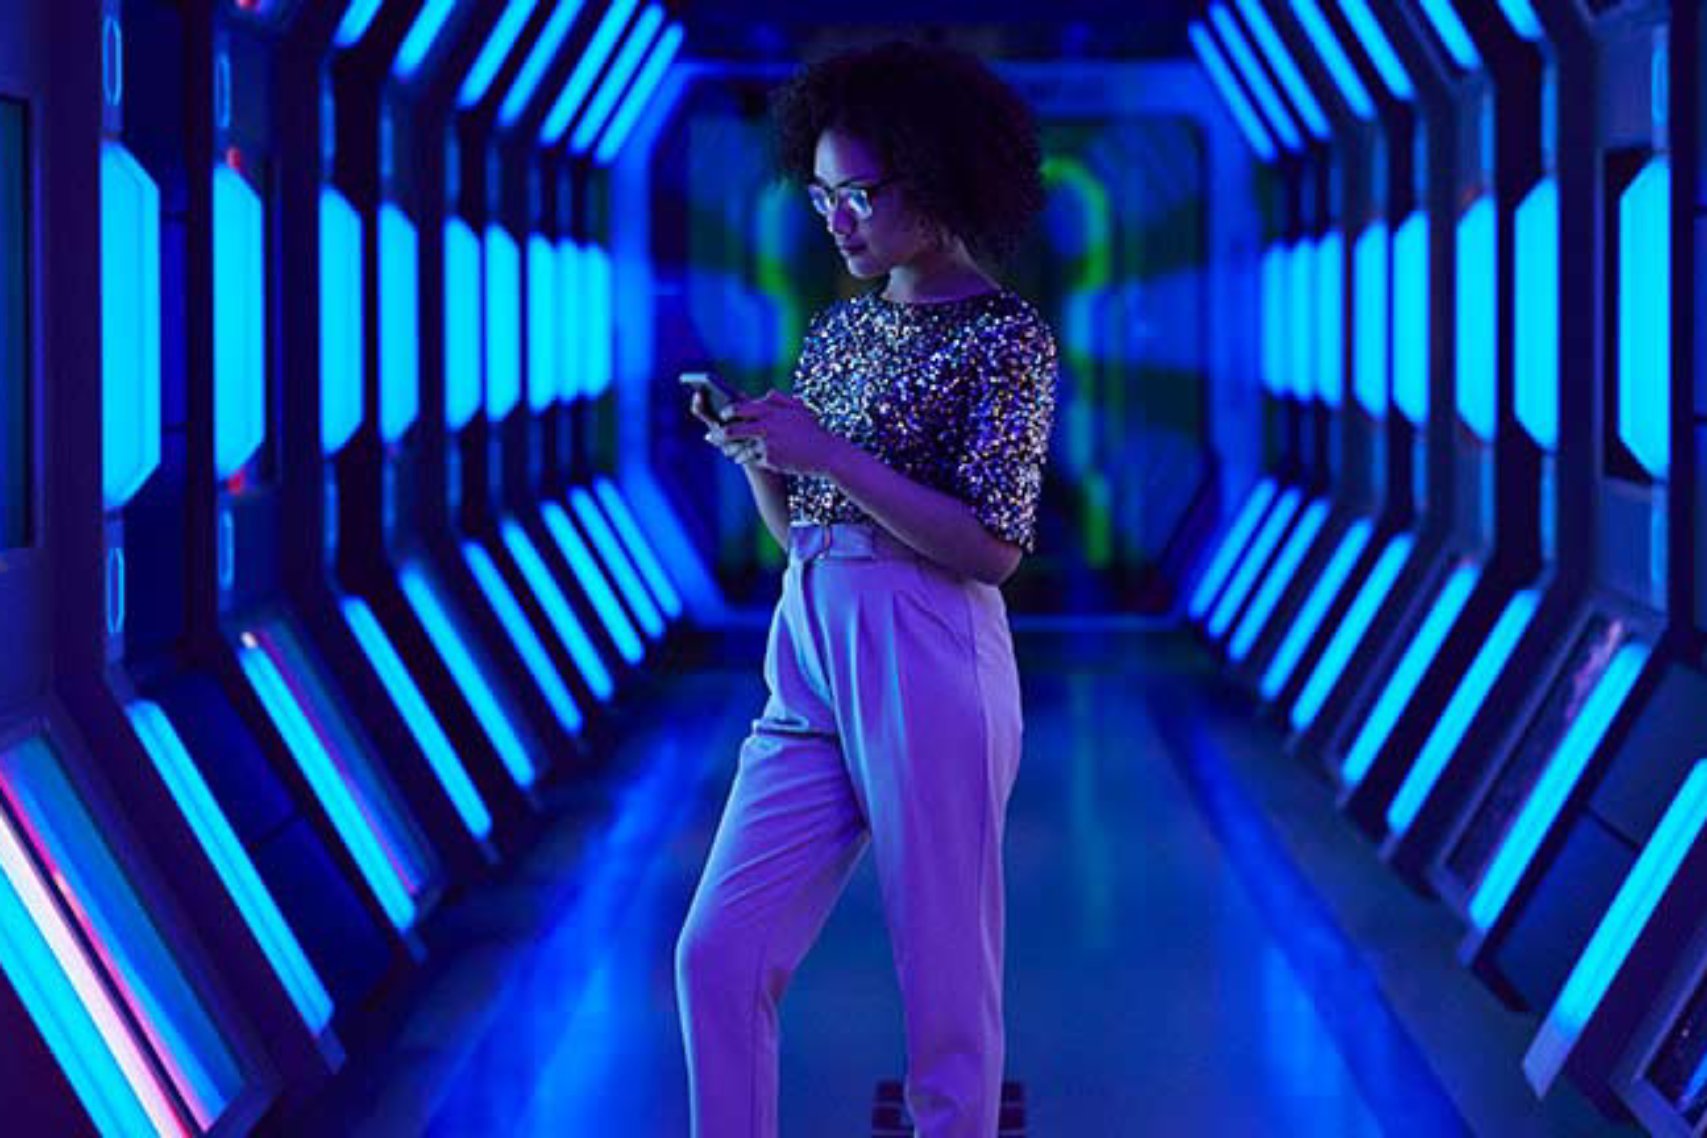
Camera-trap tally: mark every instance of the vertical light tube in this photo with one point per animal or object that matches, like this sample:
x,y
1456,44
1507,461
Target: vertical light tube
x,y
130,325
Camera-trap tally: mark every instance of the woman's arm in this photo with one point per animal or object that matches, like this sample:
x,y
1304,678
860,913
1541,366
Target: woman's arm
x,y
770,494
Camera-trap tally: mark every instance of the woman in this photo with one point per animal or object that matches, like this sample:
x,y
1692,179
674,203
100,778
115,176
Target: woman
x,y
903,480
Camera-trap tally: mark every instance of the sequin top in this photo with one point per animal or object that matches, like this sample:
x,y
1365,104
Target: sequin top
x,y
957,395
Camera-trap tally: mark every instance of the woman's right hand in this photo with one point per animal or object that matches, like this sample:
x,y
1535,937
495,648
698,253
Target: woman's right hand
x,y
743,452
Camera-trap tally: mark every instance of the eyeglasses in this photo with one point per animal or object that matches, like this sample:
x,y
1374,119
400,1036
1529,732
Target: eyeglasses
x,y
858,198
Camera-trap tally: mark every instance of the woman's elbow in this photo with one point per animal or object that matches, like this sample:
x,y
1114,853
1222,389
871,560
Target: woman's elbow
x,y
1001,563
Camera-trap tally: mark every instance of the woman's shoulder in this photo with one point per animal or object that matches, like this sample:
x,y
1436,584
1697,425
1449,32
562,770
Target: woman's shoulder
x,y
1011,329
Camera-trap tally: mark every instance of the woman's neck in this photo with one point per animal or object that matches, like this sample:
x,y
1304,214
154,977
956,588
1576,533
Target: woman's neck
x,y
947,274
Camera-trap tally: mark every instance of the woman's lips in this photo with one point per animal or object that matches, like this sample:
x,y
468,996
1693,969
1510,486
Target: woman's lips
x,y
850,250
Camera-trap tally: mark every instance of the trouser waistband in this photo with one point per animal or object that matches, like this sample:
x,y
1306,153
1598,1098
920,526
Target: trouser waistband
x,y
853,541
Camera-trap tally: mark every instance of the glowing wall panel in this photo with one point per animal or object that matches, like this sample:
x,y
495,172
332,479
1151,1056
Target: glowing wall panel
x,y
462,324
1410,318
1351,631
342,340
632,543
586,569
1233,542
544,334
1644,317
239,323
130,325
1536,301
1275,584
1477,331
399,323
503,323
1369,346
1252,563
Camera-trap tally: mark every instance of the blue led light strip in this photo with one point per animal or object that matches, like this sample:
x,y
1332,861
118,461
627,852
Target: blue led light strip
x,y
1274,340
633,544
1522,19
544,335
1379,49
601,334
1302,270
1274,586
1245,61
586,570
130,325
1369,347
1333,56
639,95
1268,39
580,80
321,771
1349,635
1452,35
341,323
462,324
1253,561
399,323
423,724
225,850
503,323
493,53
1461,709
570,349
539,57
1243,113
1402,686
1536,298
1232,544
564,622
1644,317
355,23
622,69
1623,923
452,646
1410,318
422,35
1316,607
239,326
522,636
1547,799
1329,344
1477,335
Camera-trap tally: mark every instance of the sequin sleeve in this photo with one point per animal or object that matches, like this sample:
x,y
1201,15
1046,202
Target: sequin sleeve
x,y
1010,415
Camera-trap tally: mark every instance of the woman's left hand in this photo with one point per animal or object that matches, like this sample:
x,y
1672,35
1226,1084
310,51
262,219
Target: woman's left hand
x,y
786,433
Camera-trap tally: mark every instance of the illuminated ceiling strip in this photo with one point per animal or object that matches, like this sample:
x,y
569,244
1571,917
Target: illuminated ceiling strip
x,y
1245,60
627,63
1243,114
540,57
1297,88
580,80
1333,56
497,48
640,95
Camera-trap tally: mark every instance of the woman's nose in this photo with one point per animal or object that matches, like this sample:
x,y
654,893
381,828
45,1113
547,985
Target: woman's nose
x,y
841,220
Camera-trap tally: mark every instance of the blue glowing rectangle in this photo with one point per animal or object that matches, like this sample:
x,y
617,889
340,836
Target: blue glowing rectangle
x,y
341,324
1397,694
357,16
1477,339
1349,635
1243,113
1410,318
1232,544
503,323
570,632
452,645
1452,35
622,69
1330,317
1333,56
1379,49
462,323
1274,585
522,636
586,570
1547,799
1244,60
493,52
543,332
1316,607
1521,17
1466,701
94,886
1369,350
1619,928
71,1004
1251,564
1302,292
600,332
1274,338
356,831
239,325
1536,316
1268,39
422,35
571,295
539,57
130,325
640,94
587,68
1644,317
441,756
225,851
633,542
399,323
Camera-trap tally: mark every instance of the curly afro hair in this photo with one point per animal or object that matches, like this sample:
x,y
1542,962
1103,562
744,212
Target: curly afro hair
x,y
961,141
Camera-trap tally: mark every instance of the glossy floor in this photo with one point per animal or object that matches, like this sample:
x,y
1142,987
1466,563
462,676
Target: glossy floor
x,y
1170,971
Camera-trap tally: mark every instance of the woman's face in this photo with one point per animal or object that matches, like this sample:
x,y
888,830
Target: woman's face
x,y
894,234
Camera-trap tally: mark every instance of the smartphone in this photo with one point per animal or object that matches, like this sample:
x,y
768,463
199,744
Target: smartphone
x,y
719,396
